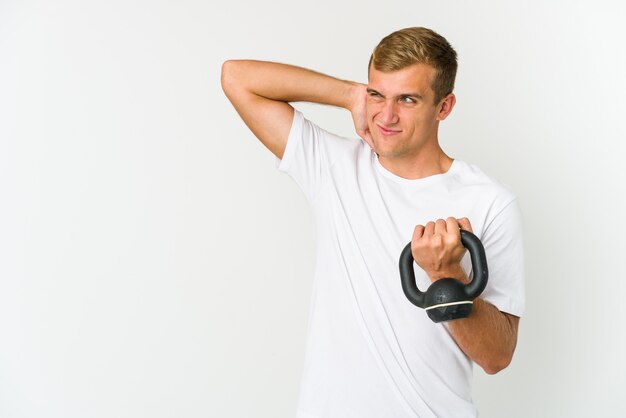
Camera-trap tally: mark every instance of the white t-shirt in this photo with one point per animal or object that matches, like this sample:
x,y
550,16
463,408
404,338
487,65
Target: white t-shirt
x,y
370,352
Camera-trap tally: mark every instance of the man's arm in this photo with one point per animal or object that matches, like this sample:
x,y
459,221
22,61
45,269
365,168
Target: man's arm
x,y
261,92
488,336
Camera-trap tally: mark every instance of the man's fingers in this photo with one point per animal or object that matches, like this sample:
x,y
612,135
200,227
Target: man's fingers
x,y
464,223
453,225
366,136
449,229
441,227
429,229
418,232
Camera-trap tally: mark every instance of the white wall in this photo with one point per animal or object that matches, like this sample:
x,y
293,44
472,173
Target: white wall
x,y
153,263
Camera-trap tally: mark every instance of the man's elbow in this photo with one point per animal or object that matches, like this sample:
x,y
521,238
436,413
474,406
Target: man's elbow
x,y
502,355
228,68
499,362
496,366
234,79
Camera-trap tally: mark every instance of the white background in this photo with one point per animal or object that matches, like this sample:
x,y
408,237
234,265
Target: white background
x,y
153,262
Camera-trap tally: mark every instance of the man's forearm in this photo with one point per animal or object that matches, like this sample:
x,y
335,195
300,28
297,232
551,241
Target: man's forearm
x,y
289,83
487,336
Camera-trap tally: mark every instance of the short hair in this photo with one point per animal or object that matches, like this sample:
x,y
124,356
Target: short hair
x,y
410,46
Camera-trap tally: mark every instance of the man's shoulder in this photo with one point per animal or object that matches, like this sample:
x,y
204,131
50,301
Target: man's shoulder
x,y
473,177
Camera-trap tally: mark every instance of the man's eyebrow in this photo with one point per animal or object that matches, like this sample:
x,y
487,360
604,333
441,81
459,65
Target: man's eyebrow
x,y
371,90
415,95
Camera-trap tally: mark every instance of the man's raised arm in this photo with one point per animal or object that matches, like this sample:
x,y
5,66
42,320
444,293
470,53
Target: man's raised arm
x,y
261,92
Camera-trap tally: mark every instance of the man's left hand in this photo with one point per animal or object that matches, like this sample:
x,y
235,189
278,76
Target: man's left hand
x,y
437,248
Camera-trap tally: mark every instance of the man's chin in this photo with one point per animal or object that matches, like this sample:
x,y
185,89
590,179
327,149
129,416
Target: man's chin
x,y
384,152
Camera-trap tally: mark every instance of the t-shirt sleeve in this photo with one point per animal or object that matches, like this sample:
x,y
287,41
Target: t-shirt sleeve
x,y
504,248
309,154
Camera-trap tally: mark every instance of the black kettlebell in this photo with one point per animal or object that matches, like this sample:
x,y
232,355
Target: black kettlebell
x,y
447,299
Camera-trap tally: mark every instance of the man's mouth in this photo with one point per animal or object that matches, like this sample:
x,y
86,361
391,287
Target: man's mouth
x,y
387,131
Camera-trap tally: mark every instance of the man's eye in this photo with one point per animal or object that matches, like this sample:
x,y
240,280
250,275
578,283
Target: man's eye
x,y
407,99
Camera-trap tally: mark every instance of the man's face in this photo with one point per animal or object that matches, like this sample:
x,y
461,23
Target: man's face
x,y
401,113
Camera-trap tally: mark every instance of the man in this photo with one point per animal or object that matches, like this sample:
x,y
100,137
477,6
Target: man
x,y
370,352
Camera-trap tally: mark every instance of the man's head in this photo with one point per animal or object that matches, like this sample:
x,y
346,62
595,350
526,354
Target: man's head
x,y
411,77
410,46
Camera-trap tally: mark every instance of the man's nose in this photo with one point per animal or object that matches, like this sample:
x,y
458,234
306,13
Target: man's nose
x,y
389,113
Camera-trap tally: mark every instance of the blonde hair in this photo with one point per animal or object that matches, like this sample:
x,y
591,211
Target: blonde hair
x,y
411,46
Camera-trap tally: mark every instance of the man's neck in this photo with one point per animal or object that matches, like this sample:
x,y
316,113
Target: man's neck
x,y
418,166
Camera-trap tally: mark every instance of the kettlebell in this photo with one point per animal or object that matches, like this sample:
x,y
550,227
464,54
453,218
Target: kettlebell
x,y
447,299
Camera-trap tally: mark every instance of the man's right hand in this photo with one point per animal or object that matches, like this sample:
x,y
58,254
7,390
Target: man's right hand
x,y
359,114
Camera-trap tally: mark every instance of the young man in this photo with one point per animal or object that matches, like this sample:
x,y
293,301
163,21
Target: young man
x,y
370,352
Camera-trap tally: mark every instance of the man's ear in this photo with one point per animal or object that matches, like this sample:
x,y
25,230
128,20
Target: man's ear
x,y
446,106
